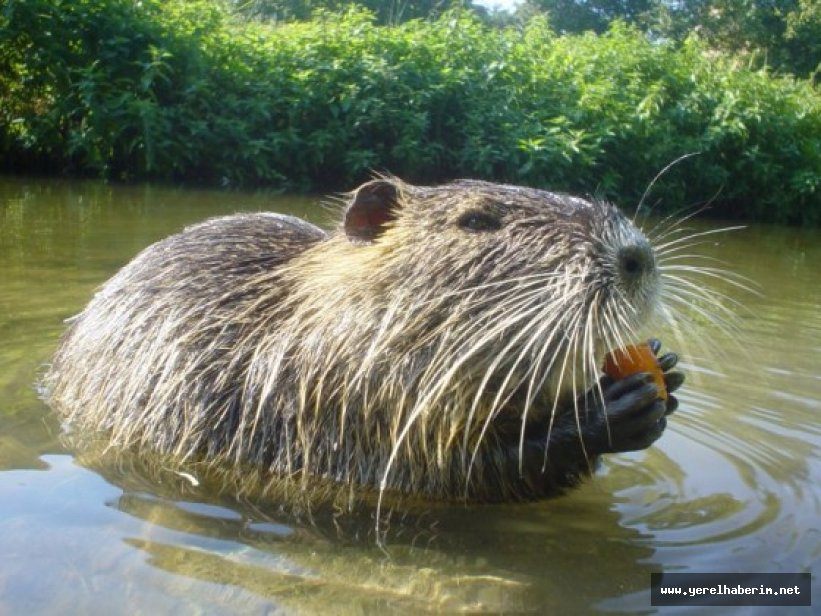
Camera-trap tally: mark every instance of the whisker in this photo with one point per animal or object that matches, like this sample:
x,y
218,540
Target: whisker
x,y
718,273
661,247
659,175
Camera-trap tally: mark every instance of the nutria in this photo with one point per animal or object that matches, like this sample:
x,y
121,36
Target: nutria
x,y
442,342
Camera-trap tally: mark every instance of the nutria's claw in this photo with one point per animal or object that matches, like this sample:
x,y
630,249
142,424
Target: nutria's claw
x,y
672,380
668,361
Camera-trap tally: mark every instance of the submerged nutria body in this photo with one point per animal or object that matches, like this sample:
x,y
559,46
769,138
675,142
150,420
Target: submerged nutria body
x,y
444,341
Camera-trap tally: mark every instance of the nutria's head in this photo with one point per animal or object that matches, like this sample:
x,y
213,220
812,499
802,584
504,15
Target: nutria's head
x,y
518,259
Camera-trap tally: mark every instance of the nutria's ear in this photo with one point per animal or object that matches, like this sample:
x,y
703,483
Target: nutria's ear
x,y
372,206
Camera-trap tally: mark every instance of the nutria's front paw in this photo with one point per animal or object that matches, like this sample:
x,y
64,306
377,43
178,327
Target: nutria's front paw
x,y
632,416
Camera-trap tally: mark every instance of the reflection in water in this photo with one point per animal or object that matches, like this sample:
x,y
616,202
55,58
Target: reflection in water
x,y
491,559
731,486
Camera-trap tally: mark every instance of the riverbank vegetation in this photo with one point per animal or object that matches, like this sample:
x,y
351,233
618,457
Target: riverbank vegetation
x,y
190,90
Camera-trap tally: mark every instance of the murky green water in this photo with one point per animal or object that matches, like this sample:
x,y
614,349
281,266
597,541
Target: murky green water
x,y
732,486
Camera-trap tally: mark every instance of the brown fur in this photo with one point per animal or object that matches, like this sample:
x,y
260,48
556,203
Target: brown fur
x,y
400,351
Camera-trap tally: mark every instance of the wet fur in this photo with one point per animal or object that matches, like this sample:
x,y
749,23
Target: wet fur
x,y
427,360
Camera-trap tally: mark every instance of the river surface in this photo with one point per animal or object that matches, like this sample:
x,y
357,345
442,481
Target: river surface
x,y
733,485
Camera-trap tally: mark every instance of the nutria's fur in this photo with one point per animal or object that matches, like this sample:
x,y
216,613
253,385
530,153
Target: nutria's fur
x,y
440,342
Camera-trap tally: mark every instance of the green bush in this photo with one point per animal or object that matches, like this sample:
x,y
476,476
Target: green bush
x,y
180,90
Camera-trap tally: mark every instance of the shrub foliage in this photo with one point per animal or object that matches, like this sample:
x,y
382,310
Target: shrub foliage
x,y
181,90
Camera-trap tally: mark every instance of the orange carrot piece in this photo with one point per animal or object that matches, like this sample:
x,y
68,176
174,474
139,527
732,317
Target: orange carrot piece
x,y
632,359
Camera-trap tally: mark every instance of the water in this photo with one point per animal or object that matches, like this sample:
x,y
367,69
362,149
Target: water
x,y
732,485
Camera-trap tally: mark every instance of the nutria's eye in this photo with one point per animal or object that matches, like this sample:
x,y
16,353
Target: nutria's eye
x,y
479,221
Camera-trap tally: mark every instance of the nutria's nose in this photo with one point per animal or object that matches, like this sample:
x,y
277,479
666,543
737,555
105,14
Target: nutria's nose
x,y
635,260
